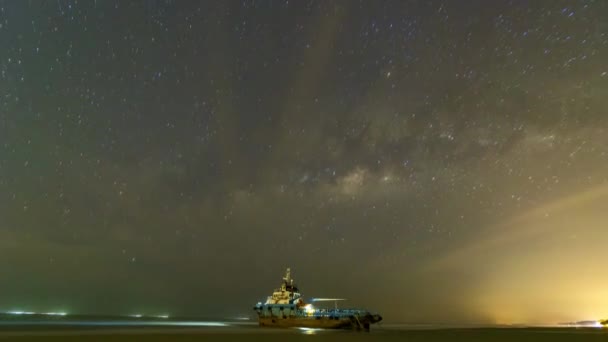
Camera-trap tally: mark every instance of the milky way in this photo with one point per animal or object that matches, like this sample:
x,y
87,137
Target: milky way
x,y
433,161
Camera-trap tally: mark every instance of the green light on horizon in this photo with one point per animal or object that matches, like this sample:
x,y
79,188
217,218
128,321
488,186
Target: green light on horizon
x,y
36,313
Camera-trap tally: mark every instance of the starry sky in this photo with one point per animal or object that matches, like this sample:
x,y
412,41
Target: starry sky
x,y
434,161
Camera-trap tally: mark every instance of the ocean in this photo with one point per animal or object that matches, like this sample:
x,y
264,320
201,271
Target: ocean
x,y
110,330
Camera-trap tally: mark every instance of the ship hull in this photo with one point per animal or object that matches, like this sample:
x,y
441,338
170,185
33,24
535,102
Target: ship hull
x,y
319,323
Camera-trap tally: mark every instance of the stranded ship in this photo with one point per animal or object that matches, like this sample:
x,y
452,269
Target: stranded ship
x,y
286,308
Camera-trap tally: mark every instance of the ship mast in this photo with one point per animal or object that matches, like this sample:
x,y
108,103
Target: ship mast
x,y
287,277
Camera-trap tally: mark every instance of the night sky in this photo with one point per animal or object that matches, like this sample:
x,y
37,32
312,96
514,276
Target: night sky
x,y
431,161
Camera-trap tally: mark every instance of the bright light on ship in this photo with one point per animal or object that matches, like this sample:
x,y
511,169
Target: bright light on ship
x,y
136,316
162,316
309,309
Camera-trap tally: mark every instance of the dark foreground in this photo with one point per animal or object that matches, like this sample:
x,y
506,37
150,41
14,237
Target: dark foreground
x,y
253,333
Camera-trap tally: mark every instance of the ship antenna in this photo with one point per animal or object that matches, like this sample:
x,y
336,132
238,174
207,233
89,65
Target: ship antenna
x,y
288,276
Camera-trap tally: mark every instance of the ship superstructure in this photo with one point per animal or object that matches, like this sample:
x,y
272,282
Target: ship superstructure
x,y
286,308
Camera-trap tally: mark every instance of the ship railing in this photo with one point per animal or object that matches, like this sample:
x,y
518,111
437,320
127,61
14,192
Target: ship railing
x,y
338,312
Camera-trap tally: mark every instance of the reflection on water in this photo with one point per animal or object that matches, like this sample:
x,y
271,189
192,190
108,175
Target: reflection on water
x,y
309,331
